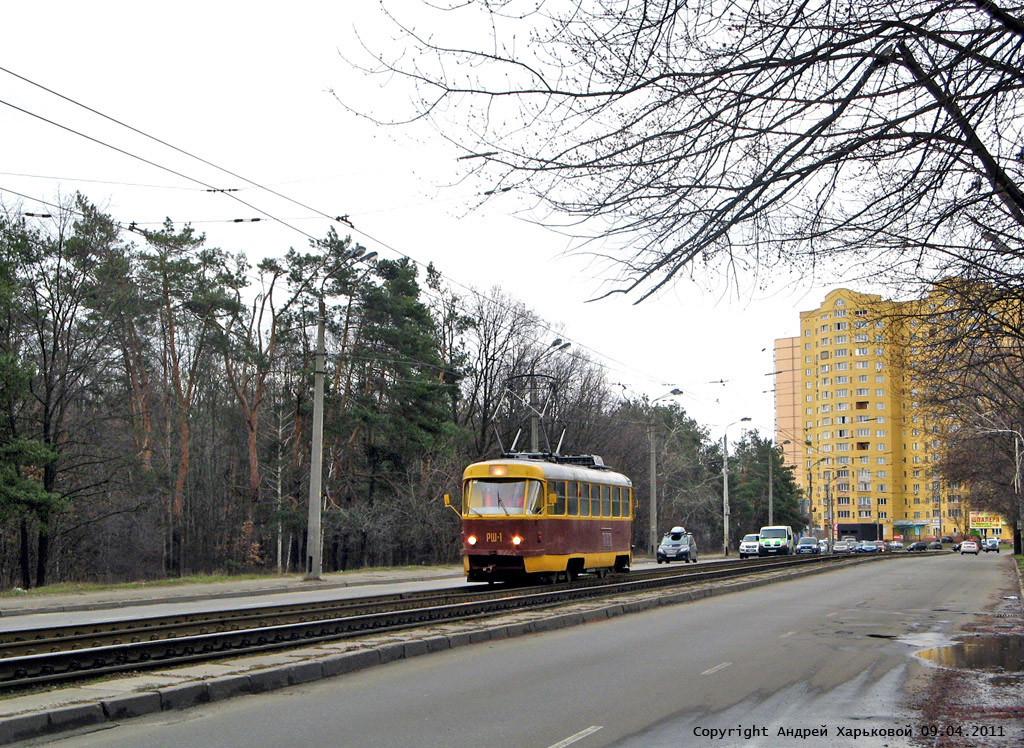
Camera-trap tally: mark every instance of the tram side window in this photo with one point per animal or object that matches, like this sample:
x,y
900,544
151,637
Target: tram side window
x,y
616,501
570,497
558,488
583,492
606,501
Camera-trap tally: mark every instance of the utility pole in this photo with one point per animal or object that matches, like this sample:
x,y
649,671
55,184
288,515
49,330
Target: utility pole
x,y
725,494
314,532
725,485
314,544
654,492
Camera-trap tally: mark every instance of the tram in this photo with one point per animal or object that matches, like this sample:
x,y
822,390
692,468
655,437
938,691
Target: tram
x,y
543,518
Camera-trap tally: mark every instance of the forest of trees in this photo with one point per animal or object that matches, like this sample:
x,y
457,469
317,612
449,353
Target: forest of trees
x,y
157,404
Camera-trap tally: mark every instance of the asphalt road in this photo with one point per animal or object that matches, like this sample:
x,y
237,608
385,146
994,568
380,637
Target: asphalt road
x,y
832,650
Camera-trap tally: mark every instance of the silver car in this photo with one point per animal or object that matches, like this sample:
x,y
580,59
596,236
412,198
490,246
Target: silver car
x,y
677,545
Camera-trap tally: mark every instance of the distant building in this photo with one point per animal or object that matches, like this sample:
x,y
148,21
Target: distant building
x,y
861,444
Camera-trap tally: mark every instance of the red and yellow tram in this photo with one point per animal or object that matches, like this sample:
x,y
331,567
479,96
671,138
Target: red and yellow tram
x,y
544,518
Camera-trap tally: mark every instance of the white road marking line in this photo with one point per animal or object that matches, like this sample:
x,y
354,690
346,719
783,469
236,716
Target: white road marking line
x,y
716,668
578,736
832,614
787,635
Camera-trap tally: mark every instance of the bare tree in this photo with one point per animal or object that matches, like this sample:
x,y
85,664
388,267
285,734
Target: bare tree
x,y
750,133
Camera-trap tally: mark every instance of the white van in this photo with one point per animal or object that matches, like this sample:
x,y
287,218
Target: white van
x,y
775,540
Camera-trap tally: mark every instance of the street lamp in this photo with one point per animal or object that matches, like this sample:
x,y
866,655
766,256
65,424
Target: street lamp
x,y
725,485
653,508
314,539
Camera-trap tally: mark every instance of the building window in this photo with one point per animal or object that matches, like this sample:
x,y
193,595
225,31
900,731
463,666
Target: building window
x,y
861,352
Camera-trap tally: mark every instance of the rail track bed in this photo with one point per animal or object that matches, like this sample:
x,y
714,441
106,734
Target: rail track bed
x,y
30,658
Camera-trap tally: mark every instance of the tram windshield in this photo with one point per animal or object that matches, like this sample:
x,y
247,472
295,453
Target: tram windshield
x,y
489,496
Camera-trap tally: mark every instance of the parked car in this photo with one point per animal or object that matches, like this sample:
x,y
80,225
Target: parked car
x,y
677,545
946,540
918,545
823,546
866,546
935,545
748,546
968,546
843,546
895,545
956,546
807,545
991,544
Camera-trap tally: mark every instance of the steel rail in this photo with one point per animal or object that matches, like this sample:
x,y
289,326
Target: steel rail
x,y
256,630
20,642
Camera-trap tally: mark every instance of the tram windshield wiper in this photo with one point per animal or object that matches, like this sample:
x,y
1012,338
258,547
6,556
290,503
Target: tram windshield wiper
x,y
502,505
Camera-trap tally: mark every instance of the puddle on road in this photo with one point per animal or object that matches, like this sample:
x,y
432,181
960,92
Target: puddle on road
x,y
987,652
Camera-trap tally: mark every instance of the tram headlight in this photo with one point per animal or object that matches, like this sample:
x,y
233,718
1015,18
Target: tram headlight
x,y
471,540
517,539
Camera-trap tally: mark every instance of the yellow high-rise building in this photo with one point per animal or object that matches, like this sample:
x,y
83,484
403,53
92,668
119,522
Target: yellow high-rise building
x,y
862,445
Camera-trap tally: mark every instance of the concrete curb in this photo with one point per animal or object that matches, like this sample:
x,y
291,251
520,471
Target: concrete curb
x,y
197,692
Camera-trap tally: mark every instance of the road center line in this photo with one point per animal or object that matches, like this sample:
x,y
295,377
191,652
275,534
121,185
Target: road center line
x,y
716,668
578,736
784,636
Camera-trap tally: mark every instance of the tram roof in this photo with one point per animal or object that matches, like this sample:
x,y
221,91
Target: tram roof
x,y
566,467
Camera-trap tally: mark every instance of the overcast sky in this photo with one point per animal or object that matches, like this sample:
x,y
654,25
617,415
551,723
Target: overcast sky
x,y
248,89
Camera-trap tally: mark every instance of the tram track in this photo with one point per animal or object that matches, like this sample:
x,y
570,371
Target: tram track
x,y
32,658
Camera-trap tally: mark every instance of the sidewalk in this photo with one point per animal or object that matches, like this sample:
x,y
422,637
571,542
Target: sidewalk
x,y
120,597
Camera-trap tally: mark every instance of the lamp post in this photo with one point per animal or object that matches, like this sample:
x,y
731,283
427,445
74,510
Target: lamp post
x,y
653,507
725,485
314,535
